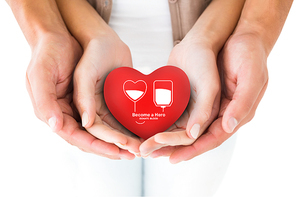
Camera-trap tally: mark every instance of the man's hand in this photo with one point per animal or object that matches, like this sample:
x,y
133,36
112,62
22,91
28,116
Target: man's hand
x,y
49,83
244,78
199,63
100,57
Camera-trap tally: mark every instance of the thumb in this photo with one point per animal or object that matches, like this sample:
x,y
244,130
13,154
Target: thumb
x,y
202,112
84,95
245,100
42,91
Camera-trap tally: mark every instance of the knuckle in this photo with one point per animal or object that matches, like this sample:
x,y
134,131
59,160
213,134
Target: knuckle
x,y
82,149
247,107
206,114
217,141
250,116
37,114
216,87
217,144
79,101
70,140
263,77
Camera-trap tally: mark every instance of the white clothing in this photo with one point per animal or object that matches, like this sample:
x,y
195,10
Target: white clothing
x,y
145,26
44,165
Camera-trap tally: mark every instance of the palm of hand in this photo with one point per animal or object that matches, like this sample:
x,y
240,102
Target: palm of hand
x,y
49,83
99,58
243,73
244,76
199,64
50,71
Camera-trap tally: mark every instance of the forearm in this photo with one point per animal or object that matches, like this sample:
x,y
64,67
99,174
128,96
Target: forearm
x,y
83,21
216,24
265,19
37,18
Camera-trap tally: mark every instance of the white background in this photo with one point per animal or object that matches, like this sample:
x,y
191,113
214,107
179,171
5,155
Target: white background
x,y
264,159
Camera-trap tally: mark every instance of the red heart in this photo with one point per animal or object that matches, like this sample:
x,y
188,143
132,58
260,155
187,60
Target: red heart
x,y
147,104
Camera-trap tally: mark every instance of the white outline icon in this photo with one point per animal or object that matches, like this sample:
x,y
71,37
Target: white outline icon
x,y
163,97
134,95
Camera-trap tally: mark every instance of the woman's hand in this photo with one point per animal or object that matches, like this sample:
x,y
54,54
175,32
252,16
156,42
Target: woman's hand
x,y
101,56
244,76
103,51
197,55
49,83
199,63
49,76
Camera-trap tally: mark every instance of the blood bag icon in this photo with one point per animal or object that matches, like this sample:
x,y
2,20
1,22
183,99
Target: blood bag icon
x,y
134,90
163,93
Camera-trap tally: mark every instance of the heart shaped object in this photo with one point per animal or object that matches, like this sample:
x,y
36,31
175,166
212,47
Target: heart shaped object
x,y
147,104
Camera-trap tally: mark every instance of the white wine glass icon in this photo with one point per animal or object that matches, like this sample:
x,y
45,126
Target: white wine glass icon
x,y
134,90
163,93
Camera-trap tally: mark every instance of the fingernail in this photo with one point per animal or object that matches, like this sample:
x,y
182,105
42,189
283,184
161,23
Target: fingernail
x,y
232,123
175,161
136,154
154,156
123,157
84,119
52,122
120,145
146,155
195,130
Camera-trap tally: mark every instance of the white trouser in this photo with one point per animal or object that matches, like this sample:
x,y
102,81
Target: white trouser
x,y
145,27
94,176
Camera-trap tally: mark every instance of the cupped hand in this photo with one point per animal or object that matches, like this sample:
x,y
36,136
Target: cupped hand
x,y
101,56
49,76
49,83
199,63
243,71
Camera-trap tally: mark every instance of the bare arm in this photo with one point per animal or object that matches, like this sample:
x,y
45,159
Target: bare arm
x,y
83,21
103,52
37,18
265,19
197,55
217,23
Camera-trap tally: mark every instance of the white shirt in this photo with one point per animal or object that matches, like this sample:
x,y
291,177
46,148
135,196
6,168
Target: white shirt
x,y
145,26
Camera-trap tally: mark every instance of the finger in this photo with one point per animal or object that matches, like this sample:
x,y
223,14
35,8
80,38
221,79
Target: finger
x,y
203,112
173,138
132,146
124,154
84,140
165,139
250,116
42,90
148,146
163,152
213,138
245,96
133,141
84,92
106,133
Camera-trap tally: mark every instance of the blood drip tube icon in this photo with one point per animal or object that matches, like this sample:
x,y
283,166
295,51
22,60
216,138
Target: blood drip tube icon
x,y
134,90
163,93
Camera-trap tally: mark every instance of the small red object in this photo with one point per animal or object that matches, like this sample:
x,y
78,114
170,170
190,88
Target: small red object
x,y
147,104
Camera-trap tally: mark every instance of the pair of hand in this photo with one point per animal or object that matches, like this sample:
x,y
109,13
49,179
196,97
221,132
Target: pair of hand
x,y
216,109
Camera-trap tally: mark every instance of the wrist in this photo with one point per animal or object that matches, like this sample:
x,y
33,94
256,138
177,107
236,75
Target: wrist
x,y
216,24
38,19
202,40
258,32
96,35
264,22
